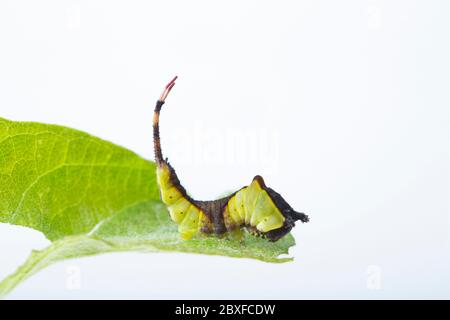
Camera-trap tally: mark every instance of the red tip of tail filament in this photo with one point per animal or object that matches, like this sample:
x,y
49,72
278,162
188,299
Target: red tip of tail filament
x,y
172,82
167,89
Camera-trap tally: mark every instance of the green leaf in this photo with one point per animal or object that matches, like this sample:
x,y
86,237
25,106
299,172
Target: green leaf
x,y
63,182
90,196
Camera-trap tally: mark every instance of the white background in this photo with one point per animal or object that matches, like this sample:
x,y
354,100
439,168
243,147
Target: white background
x,y
343,107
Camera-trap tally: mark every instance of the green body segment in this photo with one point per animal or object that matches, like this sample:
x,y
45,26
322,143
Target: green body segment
x,y
251,207
182,211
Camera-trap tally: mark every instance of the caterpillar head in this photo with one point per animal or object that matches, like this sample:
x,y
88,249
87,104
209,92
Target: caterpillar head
x,y
290,215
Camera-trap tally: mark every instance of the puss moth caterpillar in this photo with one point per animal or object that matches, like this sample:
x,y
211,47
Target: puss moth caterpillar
x,y
256,207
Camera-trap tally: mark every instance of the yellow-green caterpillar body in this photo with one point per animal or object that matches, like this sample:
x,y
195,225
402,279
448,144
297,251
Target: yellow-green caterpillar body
x,y
256,207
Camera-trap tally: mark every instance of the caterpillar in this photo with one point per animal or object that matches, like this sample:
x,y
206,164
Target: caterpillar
x,y
256,207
